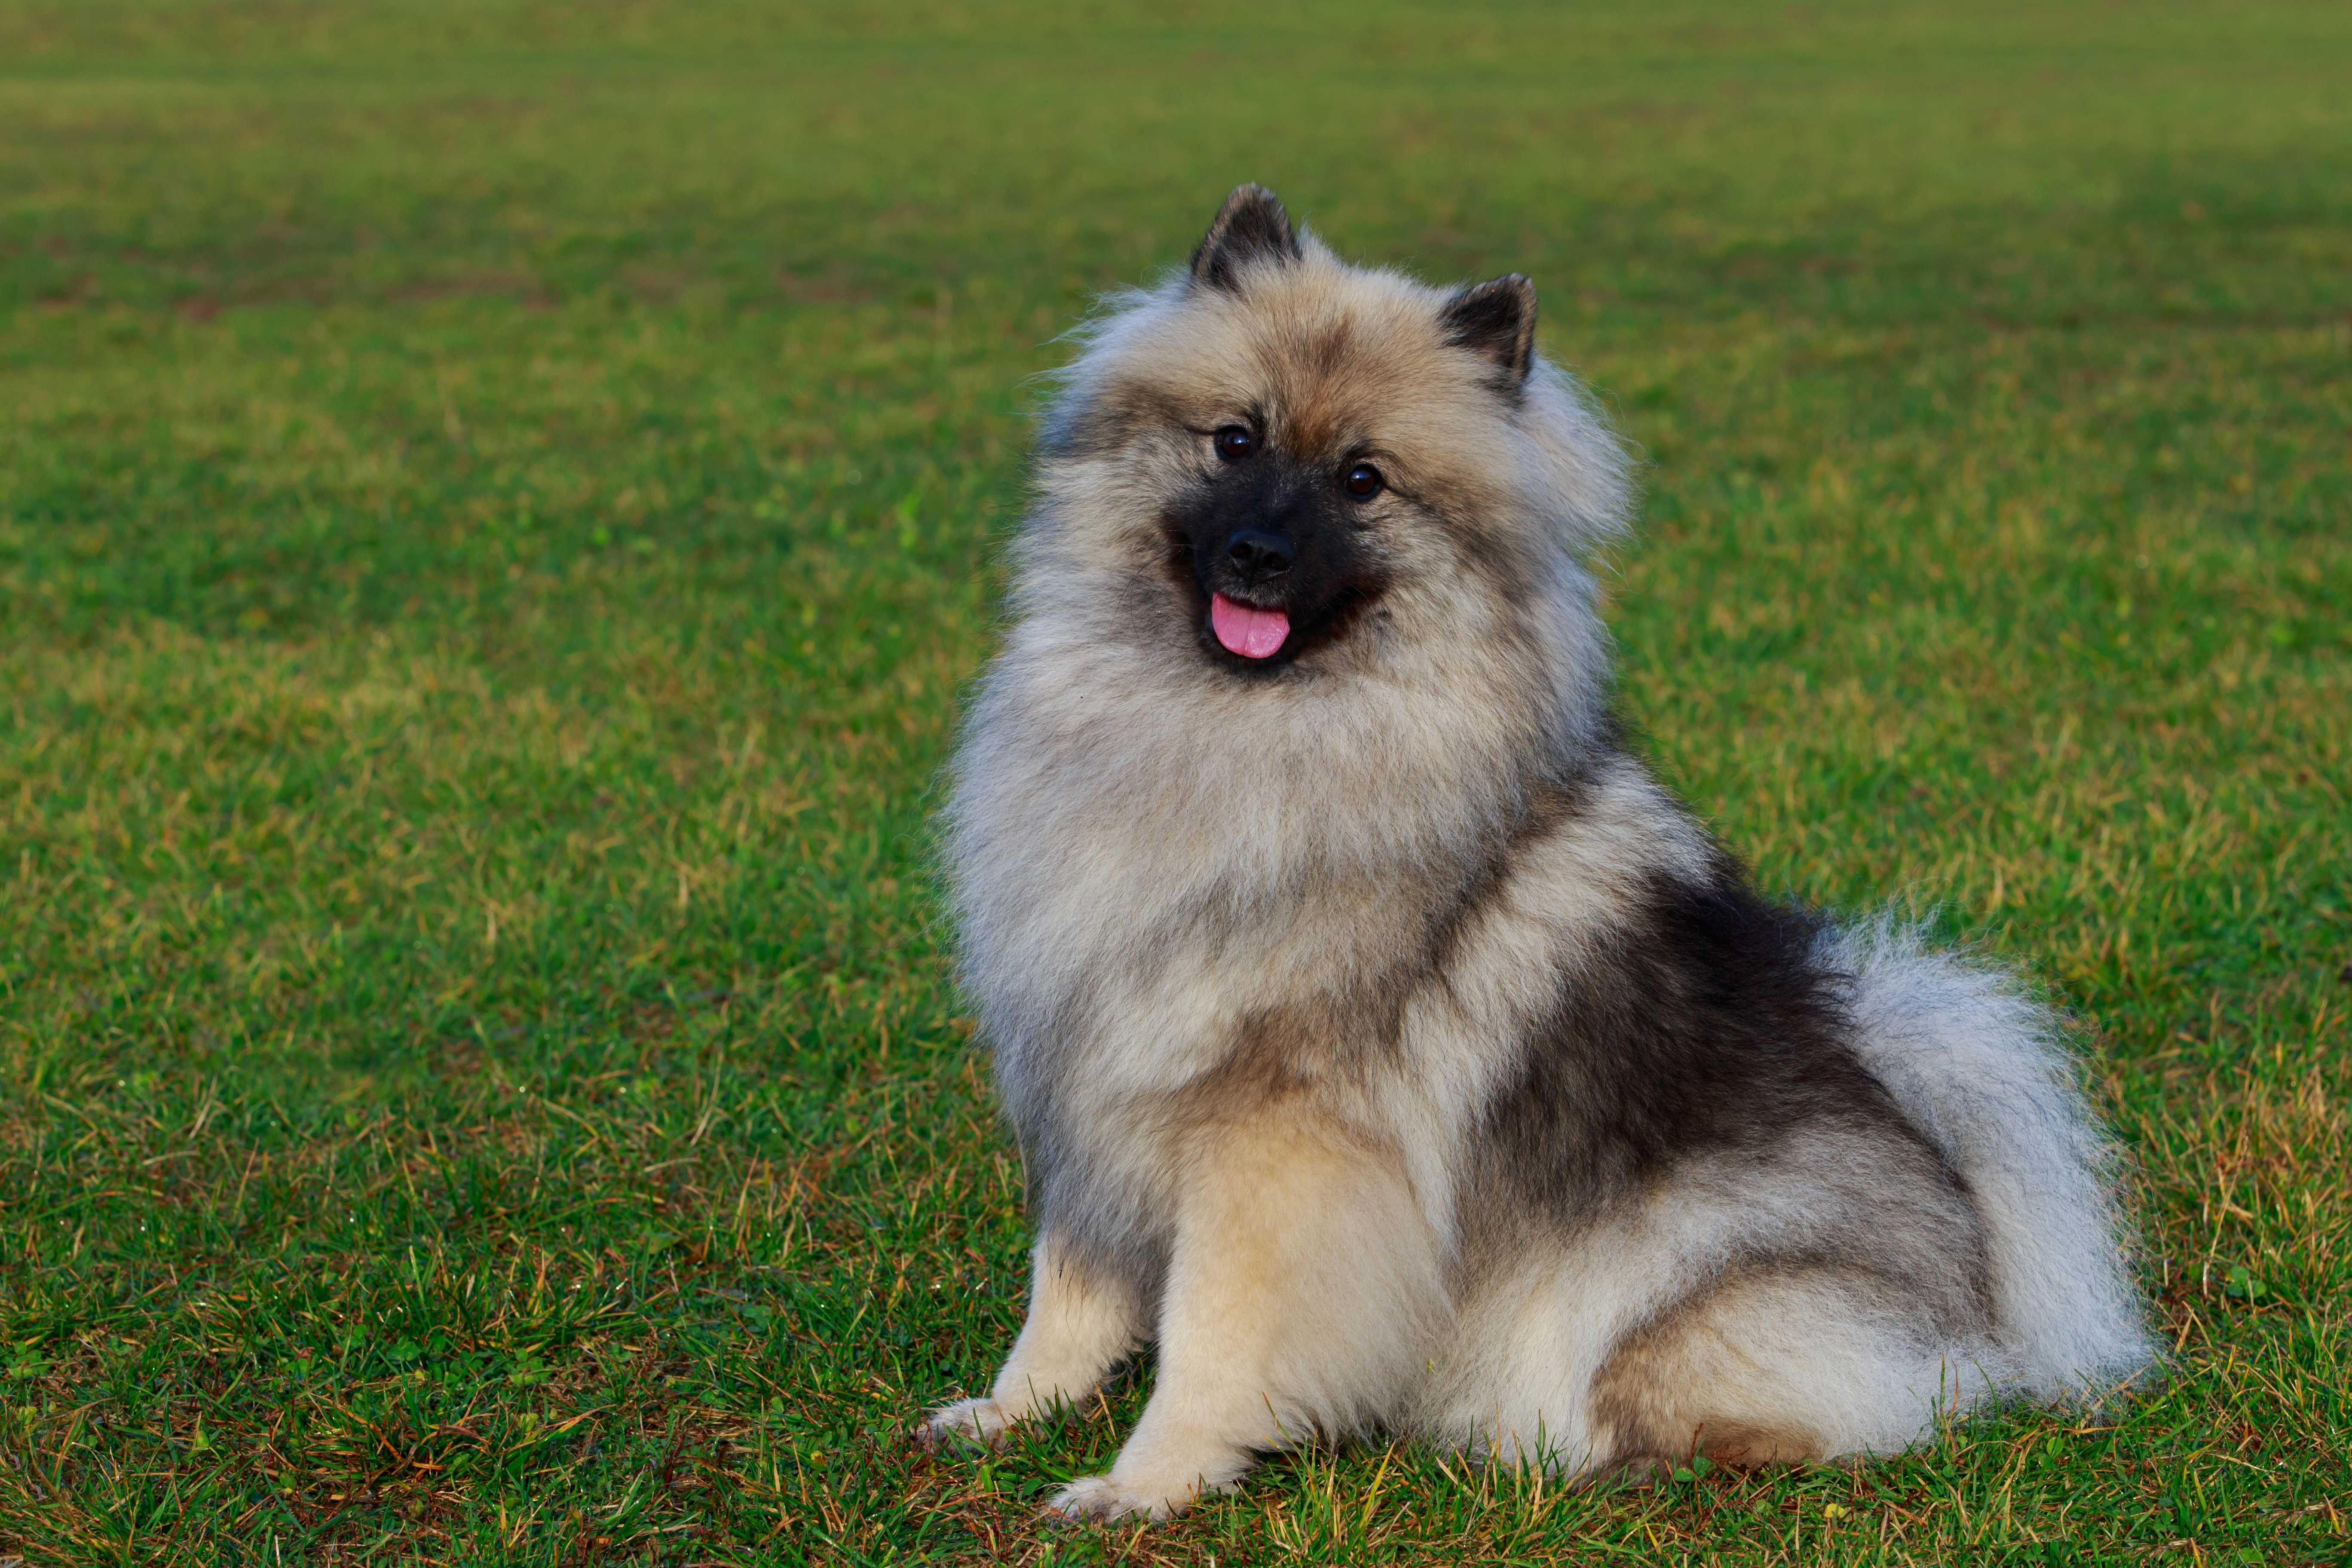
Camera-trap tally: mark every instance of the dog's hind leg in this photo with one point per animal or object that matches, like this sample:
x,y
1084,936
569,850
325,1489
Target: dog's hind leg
x,y
1301,1290
1079,1325
1777,1365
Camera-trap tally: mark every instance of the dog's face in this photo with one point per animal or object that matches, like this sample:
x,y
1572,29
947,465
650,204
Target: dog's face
x,y
1287,466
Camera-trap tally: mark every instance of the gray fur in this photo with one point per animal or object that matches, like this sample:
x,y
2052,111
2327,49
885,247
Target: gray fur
x,y
1378,989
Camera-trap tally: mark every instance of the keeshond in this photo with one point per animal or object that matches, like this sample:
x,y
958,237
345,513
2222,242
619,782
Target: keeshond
x,y
1381,1041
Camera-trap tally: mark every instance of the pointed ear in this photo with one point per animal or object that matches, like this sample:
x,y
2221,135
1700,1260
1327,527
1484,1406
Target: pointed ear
x,y
1497,321
1250,227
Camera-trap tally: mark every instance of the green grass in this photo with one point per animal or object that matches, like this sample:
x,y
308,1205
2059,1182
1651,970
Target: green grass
x,y
497,505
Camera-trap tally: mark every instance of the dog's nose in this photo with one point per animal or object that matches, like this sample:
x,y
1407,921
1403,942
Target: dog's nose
x,y
1258,554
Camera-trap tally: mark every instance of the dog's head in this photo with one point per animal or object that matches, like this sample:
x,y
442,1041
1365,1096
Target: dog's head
x,y
1281,468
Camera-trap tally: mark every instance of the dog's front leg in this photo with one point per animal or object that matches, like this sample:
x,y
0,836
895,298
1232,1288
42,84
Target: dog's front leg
x,y
1302,1287
1079,1327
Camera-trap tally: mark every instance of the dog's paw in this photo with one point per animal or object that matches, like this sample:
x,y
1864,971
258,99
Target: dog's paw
x,y
981,1421
1097,1499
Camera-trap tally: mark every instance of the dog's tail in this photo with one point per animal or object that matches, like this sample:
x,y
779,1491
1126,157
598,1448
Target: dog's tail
x,y
1986,1072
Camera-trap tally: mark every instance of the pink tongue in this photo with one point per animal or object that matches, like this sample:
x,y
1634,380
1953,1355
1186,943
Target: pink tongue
x,y
1252,634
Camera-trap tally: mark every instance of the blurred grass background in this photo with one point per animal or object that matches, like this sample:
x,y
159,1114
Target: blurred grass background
x,y
497,505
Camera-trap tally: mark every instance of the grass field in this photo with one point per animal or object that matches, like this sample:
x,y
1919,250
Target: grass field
x,y
497,507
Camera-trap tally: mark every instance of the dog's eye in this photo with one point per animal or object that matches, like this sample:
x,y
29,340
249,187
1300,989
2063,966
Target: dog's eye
x,y
1234,443
1361,480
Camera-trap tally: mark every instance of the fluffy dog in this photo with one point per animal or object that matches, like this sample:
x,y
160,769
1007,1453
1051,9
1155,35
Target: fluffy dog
x,y
1383,1041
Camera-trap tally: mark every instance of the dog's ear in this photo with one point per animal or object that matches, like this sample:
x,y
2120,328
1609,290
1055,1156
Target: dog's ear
x,y
1497,321
1250,227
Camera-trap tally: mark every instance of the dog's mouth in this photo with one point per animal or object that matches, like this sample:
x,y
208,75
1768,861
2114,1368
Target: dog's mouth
x,y
1247,631
1260,639
1276,629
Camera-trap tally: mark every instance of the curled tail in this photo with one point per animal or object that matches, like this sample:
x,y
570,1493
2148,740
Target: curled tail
x,y
1985,1071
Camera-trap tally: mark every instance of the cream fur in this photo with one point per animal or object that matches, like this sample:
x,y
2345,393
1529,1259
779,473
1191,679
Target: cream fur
x,y
1260,961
